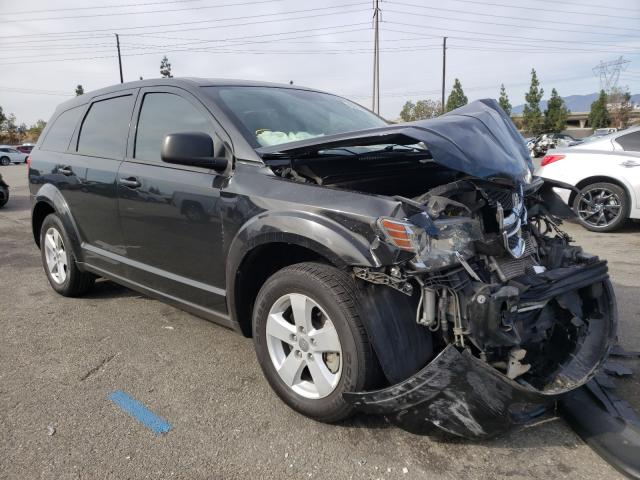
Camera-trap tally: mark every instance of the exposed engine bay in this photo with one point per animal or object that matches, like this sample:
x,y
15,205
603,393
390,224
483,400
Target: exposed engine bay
x,y
513,313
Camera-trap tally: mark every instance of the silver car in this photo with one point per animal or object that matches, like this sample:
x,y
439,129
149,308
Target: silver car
x,y
11,155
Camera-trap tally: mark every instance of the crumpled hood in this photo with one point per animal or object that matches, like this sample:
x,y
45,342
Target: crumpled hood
x,y
478,139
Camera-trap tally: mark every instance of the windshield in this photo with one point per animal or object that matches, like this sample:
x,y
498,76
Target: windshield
x,y
275,115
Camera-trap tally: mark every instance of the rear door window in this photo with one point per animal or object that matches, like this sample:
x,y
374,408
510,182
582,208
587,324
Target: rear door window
x,y
105,128
630,142
163,113
60,133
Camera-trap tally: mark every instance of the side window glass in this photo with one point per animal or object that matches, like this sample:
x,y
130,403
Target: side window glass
x,y
630,142
60,133
105,128
163,113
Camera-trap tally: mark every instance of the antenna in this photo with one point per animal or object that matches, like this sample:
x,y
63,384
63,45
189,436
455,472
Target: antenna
x,y
609,72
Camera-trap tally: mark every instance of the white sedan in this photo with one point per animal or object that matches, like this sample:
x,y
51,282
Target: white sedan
x,y
607,174
11,155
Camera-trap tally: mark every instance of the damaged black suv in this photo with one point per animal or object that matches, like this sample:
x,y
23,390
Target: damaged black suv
x,y
417,270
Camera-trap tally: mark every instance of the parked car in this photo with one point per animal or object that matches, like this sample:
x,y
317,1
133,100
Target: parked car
x,y
25,148
376,266
606,174
11,155
539,145
4,192
597,134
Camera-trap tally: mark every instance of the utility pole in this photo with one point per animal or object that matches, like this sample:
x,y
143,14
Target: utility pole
x,y
375,97
119,57
444,68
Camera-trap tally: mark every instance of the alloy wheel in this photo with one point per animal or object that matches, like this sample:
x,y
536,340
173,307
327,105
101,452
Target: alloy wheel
x,y
56,256
599,207
304,346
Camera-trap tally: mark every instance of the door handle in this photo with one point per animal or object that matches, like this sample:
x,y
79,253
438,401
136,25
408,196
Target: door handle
x,y
131,182
66,170
630,163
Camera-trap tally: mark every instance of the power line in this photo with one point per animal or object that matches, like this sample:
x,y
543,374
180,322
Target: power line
x,y
555,10
147,12
495,35
233,41
534,27
35,92
218,50
156,26
155,35
509,17
416,93
122,5
579,4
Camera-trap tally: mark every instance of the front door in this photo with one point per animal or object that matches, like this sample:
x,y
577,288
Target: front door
x,y
169,213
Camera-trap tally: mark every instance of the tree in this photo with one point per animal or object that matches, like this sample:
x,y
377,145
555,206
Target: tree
x,y
620,107
532,120
35,130
599,116
457,97
420,110
555,116
165,68
3,117
503,101
11,128
79,90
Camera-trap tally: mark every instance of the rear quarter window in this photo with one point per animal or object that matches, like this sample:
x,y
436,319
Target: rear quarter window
x,y
105,128
630,142
59,135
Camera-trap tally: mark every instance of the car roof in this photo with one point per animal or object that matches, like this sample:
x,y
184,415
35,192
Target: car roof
x,y
188,83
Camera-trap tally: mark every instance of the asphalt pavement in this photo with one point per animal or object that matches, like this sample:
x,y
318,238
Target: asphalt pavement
x,y
61,359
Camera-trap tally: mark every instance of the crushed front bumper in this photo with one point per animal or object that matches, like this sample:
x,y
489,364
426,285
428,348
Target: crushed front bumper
x,y
459,394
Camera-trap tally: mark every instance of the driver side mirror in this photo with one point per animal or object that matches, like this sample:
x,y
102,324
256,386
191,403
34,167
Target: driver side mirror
x,y
191,148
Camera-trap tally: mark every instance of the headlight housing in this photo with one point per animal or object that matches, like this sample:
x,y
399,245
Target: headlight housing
x,y
403,235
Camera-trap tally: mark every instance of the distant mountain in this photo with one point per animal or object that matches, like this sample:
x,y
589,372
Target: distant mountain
x,y
575,103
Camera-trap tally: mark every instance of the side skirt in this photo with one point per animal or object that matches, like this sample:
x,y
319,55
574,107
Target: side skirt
x,y
211,315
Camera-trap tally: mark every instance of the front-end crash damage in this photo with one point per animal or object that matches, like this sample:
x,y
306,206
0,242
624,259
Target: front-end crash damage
x,y
515,325
504,312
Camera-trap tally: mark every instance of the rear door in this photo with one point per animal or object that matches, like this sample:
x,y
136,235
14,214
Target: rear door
x,y
97,150
170,213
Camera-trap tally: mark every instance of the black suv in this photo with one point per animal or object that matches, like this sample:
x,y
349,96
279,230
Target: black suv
x,y
414,270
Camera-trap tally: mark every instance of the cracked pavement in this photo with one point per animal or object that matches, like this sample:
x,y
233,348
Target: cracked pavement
x,y
60,358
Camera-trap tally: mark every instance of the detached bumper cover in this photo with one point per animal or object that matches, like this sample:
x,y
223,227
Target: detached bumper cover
x,y
457,393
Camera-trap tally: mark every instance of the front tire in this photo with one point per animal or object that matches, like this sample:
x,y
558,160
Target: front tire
x,y
59,262
601,207
4,161
4,196
310,341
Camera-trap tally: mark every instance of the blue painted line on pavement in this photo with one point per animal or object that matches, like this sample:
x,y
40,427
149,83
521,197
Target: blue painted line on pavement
x,y
141,413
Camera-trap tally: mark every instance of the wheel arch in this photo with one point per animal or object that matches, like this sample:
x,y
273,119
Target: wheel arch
x,y
49,200
256,266
602,178
280,239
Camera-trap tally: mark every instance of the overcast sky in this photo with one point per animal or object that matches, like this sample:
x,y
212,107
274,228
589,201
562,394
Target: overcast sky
x,y
47,48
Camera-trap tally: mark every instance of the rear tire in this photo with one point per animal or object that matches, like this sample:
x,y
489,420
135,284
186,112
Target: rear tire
x,y
317,379
59,262
602,207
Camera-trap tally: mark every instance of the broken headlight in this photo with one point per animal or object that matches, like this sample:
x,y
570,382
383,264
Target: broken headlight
x,y
403,235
